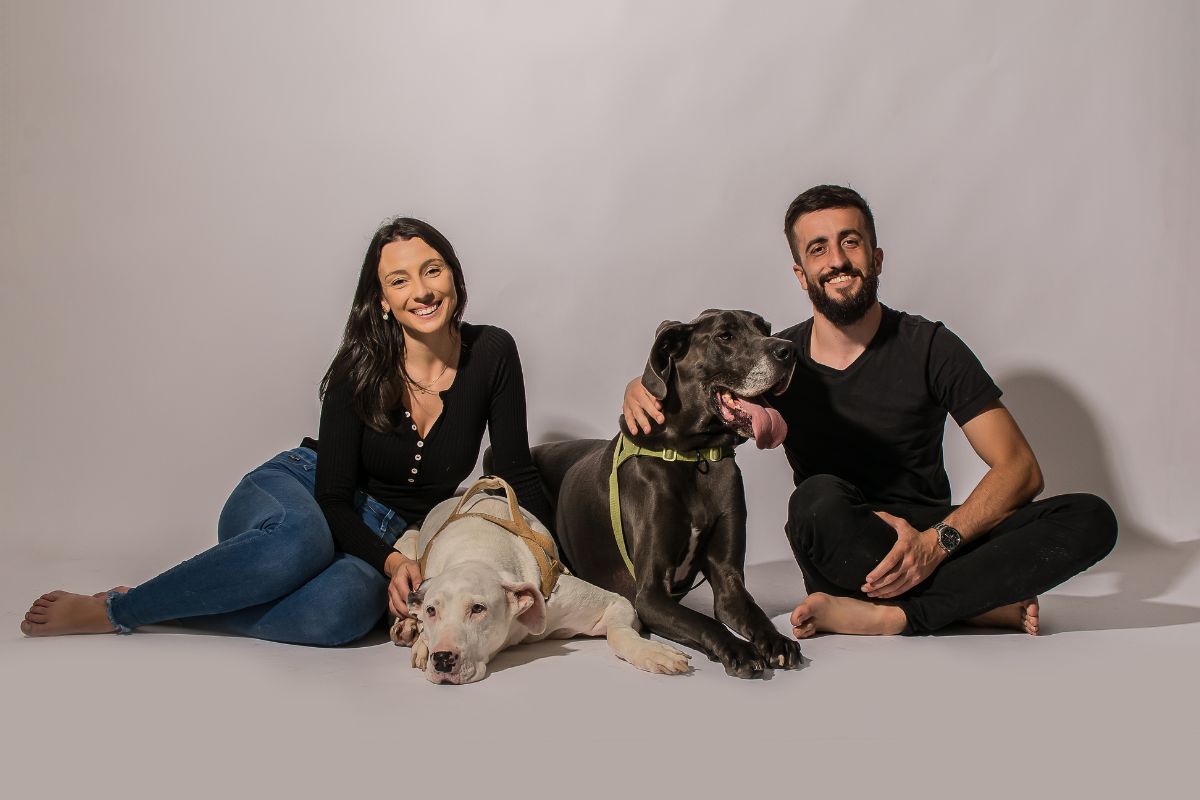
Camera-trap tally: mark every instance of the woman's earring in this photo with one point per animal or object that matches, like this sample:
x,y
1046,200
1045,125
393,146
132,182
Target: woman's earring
x,y
385,314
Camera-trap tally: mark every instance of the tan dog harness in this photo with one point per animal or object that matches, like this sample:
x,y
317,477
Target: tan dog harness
x,y
541,546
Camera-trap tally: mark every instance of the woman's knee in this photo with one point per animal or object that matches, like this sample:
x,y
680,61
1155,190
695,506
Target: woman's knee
x,y
293,521
305,529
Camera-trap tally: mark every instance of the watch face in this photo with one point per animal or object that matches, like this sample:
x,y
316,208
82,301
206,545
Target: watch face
x,y
949,537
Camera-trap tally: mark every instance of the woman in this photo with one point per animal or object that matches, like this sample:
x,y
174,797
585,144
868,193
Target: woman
x,y
405,403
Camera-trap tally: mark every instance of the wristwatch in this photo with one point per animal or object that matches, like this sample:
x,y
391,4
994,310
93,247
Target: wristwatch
x,y
949,538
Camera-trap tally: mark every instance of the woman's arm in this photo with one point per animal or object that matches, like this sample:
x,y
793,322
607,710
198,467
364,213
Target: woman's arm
x,y
509,431
338,479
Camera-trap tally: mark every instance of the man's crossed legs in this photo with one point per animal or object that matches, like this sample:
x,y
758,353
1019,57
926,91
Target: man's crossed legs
x,y
993,579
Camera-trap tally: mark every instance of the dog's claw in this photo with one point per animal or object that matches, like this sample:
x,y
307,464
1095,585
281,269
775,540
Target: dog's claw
x,y
780,652
744,661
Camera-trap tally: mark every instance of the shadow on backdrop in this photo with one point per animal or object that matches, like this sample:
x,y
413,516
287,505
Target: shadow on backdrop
x,y
1074,458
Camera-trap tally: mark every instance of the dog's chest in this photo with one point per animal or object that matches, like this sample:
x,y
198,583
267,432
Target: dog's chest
x,y
687,565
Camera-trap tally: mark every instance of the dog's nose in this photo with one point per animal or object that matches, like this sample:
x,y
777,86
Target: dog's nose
x,y
443,661
783,352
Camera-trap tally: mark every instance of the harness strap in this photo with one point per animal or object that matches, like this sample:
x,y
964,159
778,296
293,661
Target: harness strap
x,y
540,545
626,449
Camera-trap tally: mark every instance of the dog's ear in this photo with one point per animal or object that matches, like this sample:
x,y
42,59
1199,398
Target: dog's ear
x,y
527,604
670,344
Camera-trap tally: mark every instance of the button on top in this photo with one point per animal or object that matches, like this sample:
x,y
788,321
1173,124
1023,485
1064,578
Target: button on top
x,y
407,414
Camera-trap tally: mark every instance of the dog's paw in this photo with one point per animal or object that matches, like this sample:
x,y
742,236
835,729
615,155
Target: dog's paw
x,y
420,654
658,657
742,660
779,651
404,631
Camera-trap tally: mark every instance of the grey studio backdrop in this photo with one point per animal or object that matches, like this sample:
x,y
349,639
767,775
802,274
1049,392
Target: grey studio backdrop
x,y
188,189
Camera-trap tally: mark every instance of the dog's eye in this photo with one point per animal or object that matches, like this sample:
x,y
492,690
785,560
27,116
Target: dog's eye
x,y
724,336
430,611
478,608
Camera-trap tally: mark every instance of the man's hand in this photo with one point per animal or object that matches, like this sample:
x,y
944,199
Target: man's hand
x,y
914,557
405,576
640,407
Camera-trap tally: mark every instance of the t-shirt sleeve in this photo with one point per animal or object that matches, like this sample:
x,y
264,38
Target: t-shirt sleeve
x,y
957,380
338,477
509,431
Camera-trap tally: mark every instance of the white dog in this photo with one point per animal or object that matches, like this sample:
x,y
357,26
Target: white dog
x,y
483,592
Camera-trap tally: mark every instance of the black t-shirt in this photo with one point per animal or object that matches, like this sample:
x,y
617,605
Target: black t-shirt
x,y
879,422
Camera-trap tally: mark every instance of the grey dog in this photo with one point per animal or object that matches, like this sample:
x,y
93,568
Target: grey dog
x,y
681,517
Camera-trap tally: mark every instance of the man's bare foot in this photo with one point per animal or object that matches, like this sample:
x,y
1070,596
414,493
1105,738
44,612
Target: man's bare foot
x,y
1022,616
827,613
58,613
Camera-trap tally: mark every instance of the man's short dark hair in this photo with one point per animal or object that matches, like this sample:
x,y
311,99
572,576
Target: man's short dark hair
x,y
819,198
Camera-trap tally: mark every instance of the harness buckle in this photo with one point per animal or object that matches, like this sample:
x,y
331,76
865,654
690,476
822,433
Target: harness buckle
x,y
669,455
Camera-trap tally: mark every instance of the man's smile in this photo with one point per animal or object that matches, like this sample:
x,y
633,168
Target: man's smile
x,y
841,279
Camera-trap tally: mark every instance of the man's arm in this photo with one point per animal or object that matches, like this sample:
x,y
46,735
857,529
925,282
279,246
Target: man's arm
x,y
1012,480
1014,477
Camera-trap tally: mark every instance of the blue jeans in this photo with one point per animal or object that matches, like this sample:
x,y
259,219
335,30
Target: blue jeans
x,y
273,573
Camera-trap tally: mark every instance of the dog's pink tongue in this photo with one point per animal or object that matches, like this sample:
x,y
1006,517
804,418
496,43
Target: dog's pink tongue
x,y
769,427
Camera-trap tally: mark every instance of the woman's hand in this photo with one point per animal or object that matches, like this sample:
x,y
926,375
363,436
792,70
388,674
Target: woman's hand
x,y
639,407
405,576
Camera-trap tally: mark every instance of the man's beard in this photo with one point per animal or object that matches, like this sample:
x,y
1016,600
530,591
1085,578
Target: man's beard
x,y
853,308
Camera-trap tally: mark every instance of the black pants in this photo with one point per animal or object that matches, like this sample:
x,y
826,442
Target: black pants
x,y
837,539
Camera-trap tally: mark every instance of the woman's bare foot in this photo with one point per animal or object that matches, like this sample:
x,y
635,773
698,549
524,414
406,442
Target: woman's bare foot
x,y
827,613
1022,616
58,613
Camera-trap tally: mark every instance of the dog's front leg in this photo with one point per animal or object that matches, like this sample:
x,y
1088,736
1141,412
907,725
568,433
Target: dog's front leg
x,y
734,606
420,653
663,615
605,613
404,631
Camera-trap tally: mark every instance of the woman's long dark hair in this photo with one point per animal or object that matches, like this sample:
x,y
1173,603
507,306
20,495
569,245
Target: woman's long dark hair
x,y
371,356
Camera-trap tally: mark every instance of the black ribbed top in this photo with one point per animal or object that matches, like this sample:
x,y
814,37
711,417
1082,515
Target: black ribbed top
x,y
411,475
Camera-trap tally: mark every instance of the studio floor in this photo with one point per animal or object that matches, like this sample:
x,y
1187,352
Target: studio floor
x,y
1104,704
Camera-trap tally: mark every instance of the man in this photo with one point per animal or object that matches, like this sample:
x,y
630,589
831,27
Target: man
x,y
870,521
